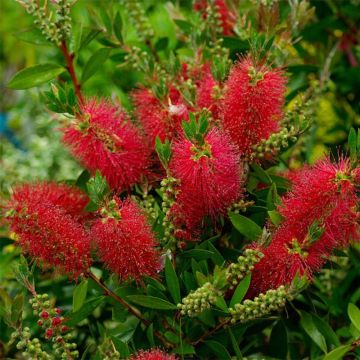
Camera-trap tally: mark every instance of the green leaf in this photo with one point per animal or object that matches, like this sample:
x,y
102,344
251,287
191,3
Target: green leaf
x,y
352,143
245,226
88,307
326,330
218,349
79,295
354,315
221,304
17,308
151,302
241,290
235,345
275,217
32,36
278,345
121,347
272,199
197,254
34,76
97,188
261,174
338,353
94,63
172,281
185,349
118,27
75,40
310,328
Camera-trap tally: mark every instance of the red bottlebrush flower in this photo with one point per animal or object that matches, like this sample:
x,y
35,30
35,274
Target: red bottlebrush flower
x,y
210,177
103,139
153,354
125,241
227,18
159,118
72,200
319,216
252,104
206,92
46,227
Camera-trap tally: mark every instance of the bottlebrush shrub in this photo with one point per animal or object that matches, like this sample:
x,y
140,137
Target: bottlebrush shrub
x,y
103,138
217,256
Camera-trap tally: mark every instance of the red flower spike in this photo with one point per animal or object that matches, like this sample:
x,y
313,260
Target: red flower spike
x,y
46,228
206,92
158,118
153,354
210,178
252,104
319,216
104,139
125,241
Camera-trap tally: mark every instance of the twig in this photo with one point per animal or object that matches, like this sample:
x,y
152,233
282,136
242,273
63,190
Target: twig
x,y
210,332
130,308
69,59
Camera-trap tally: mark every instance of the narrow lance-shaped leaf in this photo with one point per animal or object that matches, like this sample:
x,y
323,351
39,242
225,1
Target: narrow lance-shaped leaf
x,y
34,76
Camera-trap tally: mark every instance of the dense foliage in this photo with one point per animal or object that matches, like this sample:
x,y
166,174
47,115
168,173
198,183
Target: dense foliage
x,y
184,181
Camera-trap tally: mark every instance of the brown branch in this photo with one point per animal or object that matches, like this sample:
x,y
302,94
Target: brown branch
x,y
210,332
130,308
69,59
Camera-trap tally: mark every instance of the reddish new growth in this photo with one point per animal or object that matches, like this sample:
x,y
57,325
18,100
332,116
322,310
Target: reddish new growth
x,y
227,19
44,218
125,241
153,354
160,118
319,216
104,139
210,178
252,104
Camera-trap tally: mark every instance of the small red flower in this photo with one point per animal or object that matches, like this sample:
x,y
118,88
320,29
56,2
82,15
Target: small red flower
x,y
319,215
153,354
160,118
44,315
125,241
49,333
47,228
104,139
56,321
210,178
252,104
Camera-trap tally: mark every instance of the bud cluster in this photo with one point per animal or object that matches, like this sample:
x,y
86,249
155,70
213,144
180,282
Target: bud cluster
x,y
237,271
274,143
52,322
136,13
260,306
56,30
148,203
169,189
213,19
240,205
199,300
31,347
